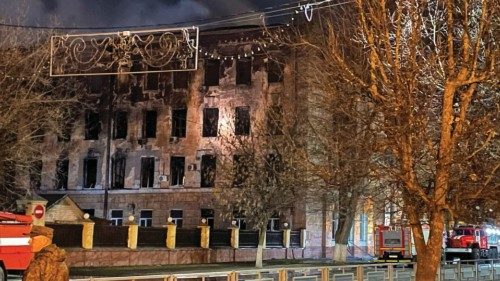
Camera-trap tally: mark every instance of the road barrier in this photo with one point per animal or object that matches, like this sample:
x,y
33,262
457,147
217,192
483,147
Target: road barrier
x,y
458,271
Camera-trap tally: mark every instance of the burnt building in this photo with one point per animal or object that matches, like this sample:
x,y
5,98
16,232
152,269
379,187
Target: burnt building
x,y
164,130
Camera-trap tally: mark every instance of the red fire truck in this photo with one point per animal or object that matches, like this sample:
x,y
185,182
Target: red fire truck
x,y
15,249
393,243
473,242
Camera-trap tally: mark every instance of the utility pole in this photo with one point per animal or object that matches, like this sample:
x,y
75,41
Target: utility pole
x,y
107,184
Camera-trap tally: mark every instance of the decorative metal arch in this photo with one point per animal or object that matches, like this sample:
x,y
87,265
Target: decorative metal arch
x,y
127,52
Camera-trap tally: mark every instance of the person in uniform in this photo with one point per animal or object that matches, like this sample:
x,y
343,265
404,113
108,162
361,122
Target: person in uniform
x,y
49,261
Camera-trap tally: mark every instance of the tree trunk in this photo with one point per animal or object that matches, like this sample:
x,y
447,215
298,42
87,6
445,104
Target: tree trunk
x,y
429,255
340,252
346,220
260,247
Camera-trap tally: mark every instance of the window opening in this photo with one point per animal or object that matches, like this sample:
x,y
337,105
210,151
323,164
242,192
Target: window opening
x,y
210,122
177,170
146,218
147,172
208,169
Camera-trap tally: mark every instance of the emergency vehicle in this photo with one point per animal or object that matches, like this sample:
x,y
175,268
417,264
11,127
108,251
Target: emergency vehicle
x,y
473,242
393,243
15,249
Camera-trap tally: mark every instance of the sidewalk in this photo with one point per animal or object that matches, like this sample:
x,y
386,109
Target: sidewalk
x,y
82,272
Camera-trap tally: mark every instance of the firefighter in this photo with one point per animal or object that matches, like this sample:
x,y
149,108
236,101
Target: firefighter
x,y
49,261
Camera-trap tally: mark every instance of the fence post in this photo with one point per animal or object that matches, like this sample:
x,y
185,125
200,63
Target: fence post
x,y
235,235
171,232
303,234
133,233
87,233
282,275
325,274
205,234
360,273
286,236
232,276
390,272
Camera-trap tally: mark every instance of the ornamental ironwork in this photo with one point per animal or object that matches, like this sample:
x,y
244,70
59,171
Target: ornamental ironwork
x,y
126,52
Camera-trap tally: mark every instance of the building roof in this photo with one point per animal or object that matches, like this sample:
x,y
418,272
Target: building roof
x,y
52,199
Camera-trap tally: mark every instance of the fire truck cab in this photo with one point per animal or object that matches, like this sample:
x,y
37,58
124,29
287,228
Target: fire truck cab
x,y
472,242
15,249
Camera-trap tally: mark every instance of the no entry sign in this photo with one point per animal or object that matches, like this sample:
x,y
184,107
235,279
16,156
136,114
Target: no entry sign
x,y
38,211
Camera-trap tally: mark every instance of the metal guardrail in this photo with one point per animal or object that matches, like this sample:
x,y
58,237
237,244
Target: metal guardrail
x,y
367,272
470,270
465,270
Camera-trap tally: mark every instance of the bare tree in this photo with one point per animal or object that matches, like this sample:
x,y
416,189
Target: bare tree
x,y
257,175
32,106
429,69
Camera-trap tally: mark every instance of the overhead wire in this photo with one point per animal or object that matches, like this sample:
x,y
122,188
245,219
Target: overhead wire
x,y
249,16
265,10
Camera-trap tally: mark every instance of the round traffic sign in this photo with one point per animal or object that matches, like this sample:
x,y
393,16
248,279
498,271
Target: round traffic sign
x,y
39,211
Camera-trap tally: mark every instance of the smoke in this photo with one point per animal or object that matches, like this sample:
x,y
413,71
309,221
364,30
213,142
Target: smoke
x,y
109,13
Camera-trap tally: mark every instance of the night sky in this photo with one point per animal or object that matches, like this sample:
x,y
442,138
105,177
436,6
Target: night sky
x,y
111,13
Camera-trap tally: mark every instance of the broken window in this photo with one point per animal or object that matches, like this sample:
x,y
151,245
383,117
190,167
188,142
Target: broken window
x,y
176,216
36,175
208,214
274,120
210,122
116,217
118,171
242,121
212,72
92,125
96,84
121,127
181,79
146,218
208,167
65,135
241,172
244,71
274,71
179,123
62,166
147,172
149,124
152,79
177,170
274,167
89,172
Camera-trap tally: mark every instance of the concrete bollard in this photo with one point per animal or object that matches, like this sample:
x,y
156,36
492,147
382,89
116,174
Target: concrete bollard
x,y
133,233
303,238
235,235
286,236
205,234
87,233
171,233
